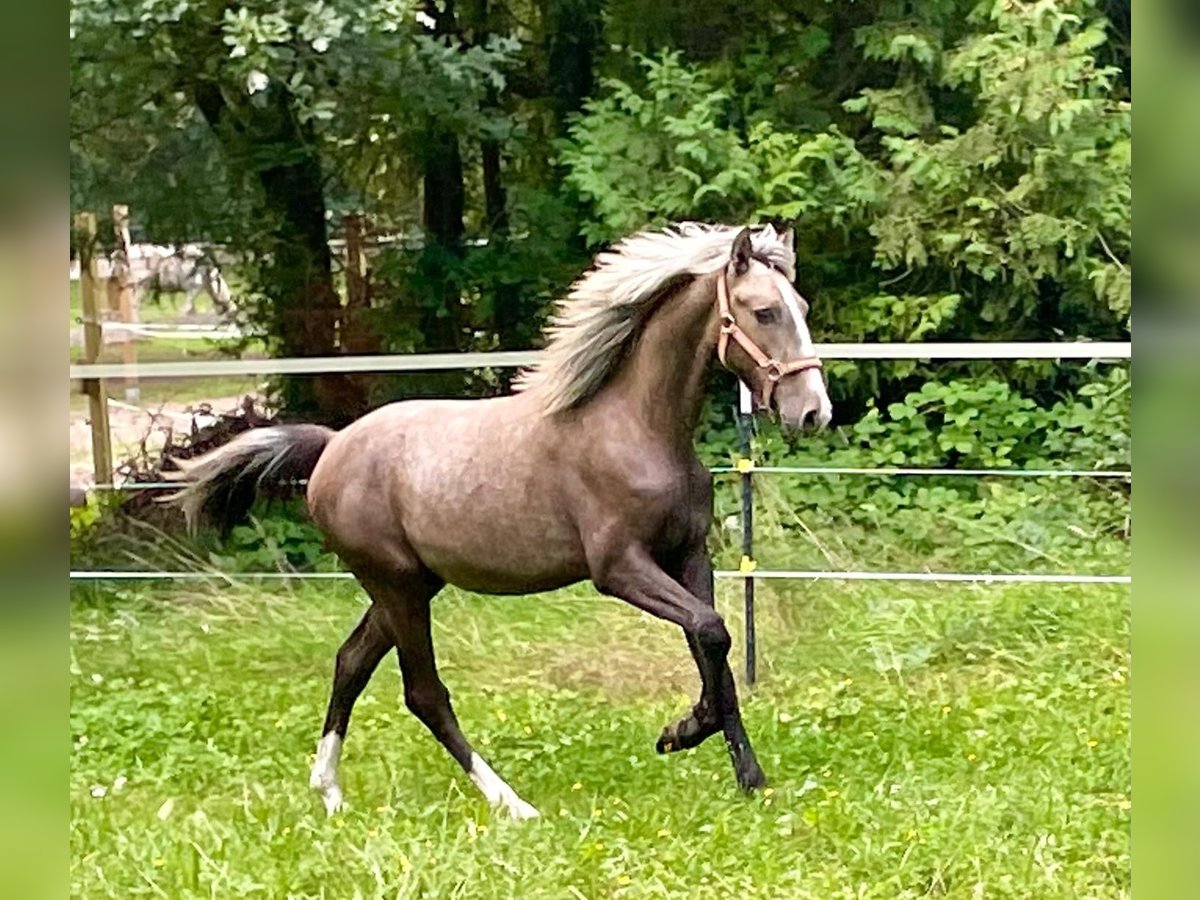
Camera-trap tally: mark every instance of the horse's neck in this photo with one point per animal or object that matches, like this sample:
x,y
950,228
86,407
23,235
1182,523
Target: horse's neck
x,y
663,381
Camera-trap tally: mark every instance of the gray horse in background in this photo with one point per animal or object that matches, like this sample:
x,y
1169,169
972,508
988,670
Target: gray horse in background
x,y
155,269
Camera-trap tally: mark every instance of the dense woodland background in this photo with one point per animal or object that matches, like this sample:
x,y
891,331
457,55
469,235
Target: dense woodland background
x,y
954,170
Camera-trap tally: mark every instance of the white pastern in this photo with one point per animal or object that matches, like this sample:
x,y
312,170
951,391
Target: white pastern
x,y
324,772
497,791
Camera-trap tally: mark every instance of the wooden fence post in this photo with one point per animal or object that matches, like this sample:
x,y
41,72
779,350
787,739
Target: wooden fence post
x,y
127,305
93,341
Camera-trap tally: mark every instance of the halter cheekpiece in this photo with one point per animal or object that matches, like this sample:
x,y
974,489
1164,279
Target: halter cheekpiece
x,y
775,370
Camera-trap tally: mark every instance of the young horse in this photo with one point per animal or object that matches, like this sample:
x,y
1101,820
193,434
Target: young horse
x,y
587,471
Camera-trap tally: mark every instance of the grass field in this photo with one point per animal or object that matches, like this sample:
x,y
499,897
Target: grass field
x,y
920,740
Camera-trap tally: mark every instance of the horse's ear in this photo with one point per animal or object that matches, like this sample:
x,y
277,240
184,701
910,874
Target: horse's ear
x,y
789,240
742,252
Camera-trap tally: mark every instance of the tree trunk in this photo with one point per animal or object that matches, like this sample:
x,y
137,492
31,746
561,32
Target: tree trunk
x,y
302,306
305,306
443,208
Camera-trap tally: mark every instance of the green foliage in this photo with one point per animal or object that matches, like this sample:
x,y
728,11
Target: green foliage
x,y
271,544
975,184
653,156
998,523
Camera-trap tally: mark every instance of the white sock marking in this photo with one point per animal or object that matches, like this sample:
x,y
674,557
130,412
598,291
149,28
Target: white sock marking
x,y
497,791
324,772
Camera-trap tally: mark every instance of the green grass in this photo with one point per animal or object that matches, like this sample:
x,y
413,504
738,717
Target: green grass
x,y
920,740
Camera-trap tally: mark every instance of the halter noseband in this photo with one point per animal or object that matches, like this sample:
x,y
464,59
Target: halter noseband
x,y
775,369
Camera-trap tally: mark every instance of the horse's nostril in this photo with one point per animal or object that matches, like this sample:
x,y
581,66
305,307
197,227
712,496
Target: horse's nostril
x,y
809,419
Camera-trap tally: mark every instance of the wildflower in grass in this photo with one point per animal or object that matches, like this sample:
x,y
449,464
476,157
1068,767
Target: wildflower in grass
x,y
623,879
664,832
577,786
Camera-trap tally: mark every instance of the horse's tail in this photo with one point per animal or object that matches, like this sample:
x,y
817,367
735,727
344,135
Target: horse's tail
x,y
221,485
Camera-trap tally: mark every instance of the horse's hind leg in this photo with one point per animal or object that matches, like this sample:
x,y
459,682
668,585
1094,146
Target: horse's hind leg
x,y
407,608
357,659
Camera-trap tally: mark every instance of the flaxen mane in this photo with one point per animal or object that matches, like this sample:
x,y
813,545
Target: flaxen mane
x,y
593,328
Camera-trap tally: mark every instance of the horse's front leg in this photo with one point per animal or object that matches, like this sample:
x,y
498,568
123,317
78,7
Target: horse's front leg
x,y
705,719
635,577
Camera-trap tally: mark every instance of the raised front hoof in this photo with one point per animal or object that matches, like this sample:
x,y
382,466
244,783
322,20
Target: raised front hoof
x,y
750,778
685,734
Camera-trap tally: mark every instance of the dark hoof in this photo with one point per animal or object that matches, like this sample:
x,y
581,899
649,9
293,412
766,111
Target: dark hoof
x,y
751,778
685,734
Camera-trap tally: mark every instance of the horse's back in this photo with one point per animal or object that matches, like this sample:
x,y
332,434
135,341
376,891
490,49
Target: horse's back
x,y
464,486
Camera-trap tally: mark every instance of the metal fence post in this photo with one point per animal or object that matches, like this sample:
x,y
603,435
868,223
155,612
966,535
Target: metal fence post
x,y
745,466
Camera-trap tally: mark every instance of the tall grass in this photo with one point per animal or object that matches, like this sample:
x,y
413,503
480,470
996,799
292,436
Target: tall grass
x,y
920,741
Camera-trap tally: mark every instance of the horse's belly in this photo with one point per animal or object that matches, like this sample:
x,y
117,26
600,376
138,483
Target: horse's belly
x,y
524,550
505,567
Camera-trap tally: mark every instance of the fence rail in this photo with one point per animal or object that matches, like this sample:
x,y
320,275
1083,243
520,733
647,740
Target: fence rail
x,y
429,362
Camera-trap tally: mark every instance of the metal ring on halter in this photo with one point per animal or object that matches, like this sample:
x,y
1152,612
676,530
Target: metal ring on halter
x,y
774,370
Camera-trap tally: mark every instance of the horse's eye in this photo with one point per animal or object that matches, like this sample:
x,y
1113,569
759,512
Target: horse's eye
x,y
764,316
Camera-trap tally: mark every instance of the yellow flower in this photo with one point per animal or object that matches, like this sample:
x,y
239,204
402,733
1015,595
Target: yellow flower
x,y
971,757
577,786
664,832
1092,744
624,879
501,715
945,710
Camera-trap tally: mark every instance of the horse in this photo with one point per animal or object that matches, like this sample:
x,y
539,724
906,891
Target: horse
x,y
188,270
587,470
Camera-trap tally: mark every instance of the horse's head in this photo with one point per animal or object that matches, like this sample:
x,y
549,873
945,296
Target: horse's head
x,y
765,340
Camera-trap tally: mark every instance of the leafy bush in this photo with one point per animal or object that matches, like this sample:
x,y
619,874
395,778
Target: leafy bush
x,y
949,521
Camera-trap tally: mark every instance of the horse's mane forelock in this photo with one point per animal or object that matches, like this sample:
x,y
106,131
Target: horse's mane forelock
x,y
593,327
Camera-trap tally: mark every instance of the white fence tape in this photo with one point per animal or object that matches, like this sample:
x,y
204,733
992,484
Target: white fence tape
x,y
428,362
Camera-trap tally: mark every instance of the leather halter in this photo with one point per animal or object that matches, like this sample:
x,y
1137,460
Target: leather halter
x,y
775,370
